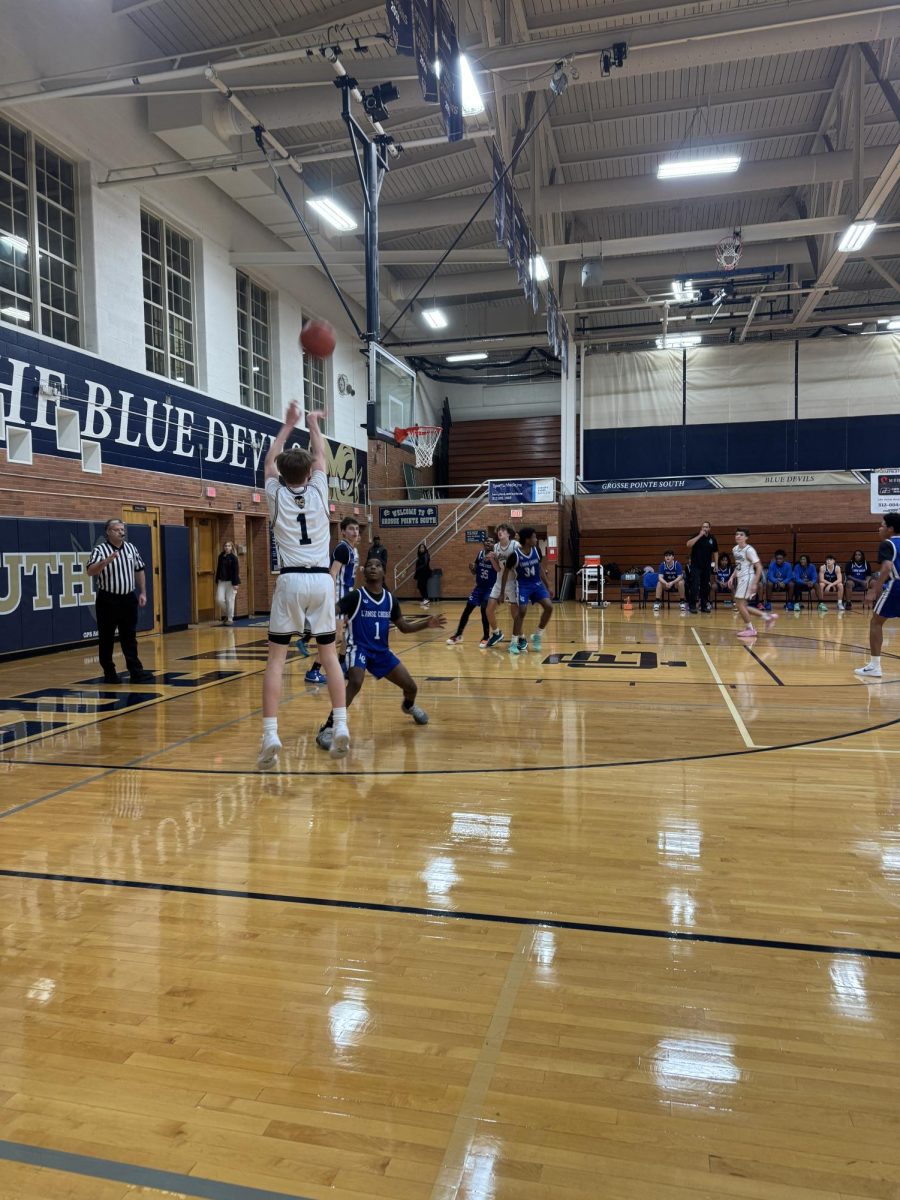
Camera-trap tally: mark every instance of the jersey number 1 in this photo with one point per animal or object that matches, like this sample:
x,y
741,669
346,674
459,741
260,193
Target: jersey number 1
x,y
305,539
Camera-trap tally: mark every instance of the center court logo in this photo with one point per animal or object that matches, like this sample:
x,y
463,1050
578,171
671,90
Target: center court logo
x,y
622,660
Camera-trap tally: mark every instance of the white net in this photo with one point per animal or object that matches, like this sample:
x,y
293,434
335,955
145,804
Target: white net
x,y
729,251
424,440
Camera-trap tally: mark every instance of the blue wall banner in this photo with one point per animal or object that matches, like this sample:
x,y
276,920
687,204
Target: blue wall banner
x,y
520,491
46,595
399,15
407,516
749,481
148,423
449,85
423,29
691,483
476,535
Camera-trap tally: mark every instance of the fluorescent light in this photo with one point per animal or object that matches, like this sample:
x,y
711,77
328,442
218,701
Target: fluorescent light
x,y
856,236
894,324
435,318
726,165
537,268
470,97
855,324
683,291
678,341
474,356
333,213
16,242
16,314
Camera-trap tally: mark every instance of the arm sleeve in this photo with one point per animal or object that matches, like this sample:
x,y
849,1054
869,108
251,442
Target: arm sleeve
x,y
346,606
396,614
341,553
886,551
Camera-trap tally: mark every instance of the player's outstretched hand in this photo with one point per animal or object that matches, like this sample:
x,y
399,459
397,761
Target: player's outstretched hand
x,y
294,410
436,622
317,415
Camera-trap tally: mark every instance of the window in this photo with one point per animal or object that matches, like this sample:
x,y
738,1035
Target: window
x,y
168,299
314,390
38,224
255,362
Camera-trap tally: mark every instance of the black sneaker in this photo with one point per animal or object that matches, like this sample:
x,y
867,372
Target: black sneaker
x,y
692,611
110,677
141,677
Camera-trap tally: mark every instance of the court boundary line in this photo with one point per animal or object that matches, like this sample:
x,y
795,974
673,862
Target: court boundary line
x,y
415,910
550,769
729,703
166,1182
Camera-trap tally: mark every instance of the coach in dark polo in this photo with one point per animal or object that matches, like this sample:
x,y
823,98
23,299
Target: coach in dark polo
x,y
118,568
703,547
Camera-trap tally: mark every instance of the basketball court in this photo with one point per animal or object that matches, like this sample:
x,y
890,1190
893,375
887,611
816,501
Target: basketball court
x,y
624,911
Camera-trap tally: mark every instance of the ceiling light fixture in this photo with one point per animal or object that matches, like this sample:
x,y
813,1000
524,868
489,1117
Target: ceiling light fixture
x,y
856,236
684,292
678,341
537,268
435,318
690,168
469,95
894,324
332,213
474,356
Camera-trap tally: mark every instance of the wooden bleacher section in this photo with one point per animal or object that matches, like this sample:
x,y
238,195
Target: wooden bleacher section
x,y
636,547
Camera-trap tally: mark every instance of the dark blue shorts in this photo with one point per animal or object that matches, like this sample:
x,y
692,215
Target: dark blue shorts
x,y
480,596
858,585
532,593
888,603
377,662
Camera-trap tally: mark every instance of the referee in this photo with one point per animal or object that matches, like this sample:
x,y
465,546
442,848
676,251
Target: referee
x,y
118,567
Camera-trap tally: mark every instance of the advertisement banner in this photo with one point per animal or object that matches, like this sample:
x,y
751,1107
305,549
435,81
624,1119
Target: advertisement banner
x,y
407,516
423,31
511,491
885,490
449,81
686,483
476,535
400,25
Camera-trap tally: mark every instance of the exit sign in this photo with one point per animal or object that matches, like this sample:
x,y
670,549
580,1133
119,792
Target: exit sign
x,y
515,512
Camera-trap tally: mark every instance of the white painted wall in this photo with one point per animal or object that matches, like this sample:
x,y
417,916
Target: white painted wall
x,y
99,134
480,402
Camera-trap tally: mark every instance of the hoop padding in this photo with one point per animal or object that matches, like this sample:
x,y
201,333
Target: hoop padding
x,y
424,440
729,251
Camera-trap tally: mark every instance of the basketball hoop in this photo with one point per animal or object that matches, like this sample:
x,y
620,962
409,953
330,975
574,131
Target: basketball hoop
x,y
424,439
729,251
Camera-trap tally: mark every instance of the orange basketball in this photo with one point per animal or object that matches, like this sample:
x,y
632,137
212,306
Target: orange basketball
x,y
318,339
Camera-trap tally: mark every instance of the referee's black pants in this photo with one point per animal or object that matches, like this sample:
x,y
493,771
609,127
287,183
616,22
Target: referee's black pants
x,y
115,612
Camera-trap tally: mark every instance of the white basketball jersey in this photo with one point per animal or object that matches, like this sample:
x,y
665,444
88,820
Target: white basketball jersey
x,y
300,521
745,558
503,555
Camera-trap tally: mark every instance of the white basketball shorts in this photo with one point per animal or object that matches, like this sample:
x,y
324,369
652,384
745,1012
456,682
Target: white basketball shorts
x,y
744,588
512,590
302,600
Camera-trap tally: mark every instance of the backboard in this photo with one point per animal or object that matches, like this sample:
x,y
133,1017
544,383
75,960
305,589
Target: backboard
x,y
392,393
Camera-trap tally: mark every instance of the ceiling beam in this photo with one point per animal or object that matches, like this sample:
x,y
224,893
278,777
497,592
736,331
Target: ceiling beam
x,y
885,275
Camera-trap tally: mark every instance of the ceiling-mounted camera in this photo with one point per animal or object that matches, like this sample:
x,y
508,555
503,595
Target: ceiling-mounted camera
x,y
559,80
613,56
375,102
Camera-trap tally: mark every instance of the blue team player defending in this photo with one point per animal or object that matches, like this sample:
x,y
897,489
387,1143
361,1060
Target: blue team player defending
x,y
533,589
888,603
485,577
370,611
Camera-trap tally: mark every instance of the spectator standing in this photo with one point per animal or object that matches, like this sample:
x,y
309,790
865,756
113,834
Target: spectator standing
x,y
377,550
779,578
117,566
703,547
422,572
228,580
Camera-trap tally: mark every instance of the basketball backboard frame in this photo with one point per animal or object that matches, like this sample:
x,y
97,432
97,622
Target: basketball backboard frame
x,y
384,413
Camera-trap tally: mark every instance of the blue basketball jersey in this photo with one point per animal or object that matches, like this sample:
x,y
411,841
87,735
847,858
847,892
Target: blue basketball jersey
x,y
370,622
723,575
485,575
528,566
889,551
830,576
858,571
348,557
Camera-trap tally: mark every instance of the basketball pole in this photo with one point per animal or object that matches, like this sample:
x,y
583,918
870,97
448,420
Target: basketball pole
x,y
370,156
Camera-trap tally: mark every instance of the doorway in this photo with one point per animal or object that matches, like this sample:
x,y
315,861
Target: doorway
x,y
258,565
146,515
204,542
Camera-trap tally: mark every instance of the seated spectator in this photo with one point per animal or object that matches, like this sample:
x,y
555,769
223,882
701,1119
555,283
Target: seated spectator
x,y
724,571
857,577
831,583
806,580
671,579
779,578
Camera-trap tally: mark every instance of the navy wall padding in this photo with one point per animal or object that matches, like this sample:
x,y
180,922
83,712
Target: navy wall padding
x,y
176,574
746,447
54,545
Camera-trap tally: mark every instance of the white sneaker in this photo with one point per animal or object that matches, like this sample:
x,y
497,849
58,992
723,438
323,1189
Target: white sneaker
x,y
340,742
454,640
869,671
657,607
840,606
269,749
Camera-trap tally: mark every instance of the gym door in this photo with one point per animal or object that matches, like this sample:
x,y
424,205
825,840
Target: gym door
x,y
204,555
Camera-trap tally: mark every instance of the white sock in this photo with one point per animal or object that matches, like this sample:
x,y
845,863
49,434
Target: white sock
x,y
340,716
270,725
875,661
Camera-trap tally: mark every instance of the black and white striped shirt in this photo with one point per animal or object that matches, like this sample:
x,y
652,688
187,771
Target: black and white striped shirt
x,y
118,576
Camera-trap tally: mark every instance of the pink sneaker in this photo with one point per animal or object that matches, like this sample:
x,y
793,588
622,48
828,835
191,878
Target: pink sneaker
x,y
747,633
768,617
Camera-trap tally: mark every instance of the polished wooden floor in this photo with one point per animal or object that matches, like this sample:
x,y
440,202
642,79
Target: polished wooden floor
x,y
621,923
